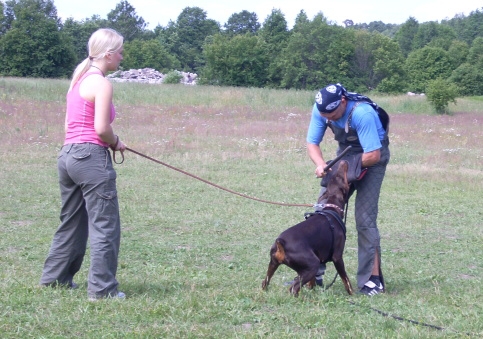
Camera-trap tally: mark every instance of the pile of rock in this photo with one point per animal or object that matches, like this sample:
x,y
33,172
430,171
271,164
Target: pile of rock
x,y
149,76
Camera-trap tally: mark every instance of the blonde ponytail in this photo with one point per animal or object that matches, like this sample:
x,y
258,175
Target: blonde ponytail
x,y
102,41
79,71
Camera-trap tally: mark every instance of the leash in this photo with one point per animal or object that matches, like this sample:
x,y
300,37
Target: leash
x,y
208,182
388,315
333,162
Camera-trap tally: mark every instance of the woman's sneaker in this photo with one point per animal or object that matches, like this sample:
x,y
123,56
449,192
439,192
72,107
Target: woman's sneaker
x,y
372,287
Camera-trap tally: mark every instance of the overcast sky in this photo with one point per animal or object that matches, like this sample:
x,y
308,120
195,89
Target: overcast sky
x,y
160,12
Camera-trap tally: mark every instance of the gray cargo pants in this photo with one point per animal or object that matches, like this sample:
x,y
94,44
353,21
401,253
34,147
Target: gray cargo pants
x,y
366,210
89,209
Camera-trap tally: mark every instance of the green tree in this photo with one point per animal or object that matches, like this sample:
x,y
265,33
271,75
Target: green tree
x,y
474,25
425,64
44,7
241,60
378,62
274,29
3,19
125,20
300,21
440,93
389,73
242,23
406,34
378,26
475,54
458,52
148,54
363,63
467,28
319,53
468,79
80,32
34,46
185,37
276,34
433,34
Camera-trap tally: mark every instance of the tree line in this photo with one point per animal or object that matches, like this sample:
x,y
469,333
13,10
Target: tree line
x,y
386,58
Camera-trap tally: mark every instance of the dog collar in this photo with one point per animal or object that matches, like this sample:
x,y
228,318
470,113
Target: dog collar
x,y
329,205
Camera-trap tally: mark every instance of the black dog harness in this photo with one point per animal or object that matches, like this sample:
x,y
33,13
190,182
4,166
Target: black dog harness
x,y
328,214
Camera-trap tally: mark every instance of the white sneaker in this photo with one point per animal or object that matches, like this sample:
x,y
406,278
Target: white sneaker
x,y
370,288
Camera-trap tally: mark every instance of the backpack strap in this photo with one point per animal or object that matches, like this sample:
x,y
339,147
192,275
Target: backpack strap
x,y
384,117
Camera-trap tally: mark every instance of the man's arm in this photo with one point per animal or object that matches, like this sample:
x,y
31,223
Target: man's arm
x,y
371,158
315,154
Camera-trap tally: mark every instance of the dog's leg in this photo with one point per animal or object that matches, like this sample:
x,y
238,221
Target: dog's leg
x,y
272,267
340,267
311,283
309,274
306,275
295,288
277,256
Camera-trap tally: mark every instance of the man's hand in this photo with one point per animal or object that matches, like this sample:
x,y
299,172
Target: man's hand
x,y
319,171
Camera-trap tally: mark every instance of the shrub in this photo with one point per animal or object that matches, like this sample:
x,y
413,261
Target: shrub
x,y
440,93
173,77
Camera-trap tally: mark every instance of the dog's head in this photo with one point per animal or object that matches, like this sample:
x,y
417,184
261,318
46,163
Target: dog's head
x,y
338,185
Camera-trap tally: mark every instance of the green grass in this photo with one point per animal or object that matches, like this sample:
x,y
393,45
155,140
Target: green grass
x,y
193,257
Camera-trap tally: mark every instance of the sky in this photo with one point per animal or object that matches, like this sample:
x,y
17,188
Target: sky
x,y
160,12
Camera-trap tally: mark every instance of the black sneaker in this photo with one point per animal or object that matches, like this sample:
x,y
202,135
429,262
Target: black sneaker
x,y
372,287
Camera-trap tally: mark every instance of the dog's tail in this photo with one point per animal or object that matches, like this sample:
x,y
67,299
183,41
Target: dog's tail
x,y
279,254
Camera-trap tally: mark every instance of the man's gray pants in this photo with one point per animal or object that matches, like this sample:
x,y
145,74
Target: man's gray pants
x,y
366,210
90,209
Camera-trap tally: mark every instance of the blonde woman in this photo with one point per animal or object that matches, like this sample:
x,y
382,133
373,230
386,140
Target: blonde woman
x,y
87,178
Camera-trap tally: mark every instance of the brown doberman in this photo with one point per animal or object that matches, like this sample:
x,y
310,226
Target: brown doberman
x,y
318,239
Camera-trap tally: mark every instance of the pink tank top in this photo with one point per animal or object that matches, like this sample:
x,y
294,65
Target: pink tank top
x,y
80,117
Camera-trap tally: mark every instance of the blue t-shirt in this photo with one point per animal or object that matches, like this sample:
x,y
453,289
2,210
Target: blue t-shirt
x,y
364,120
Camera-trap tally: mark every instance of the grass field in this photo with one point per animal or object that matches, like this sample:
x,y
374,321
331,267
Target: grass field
x,y
193,257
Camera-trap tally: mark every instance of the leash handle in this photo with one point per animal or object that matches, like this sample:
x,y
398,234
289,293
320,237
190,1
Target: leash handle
x,y
114,157
337,158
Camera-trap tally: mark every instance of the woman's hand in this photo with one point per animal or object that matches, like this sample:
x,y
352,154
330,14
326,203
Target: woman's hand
x,y
118,145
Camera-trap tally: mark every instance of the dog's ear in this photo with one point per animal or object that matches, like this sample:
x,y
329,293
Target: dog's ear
x,y
340,175
344,166
343,169
338,185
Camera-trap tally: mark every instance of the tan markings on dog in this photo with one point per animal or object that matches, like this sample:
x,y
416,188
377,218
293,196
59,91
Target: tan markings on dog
x,y
280,253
